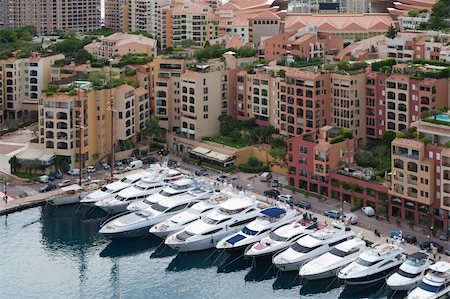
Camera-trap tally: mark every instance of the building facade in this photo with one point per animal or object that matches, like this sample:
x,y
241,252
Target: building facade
x,y
114,14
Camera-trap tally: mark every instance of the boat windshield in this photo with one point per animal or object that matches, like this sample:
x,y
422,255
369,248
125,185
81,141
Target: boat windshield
x,y
230,212
179,187
183,236
303,249
414,262
276,237
432,289
142,188
118,197
125,180
147,201
248,231
168,194
365,263
339,253
407,274
208,220
158,207
106,190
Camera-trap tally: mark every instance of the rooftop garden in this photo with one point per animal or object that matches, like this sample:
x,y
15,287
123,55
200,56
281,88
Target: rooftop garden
x,y
217,51
299,62
439,19
18,39
346,67
133,58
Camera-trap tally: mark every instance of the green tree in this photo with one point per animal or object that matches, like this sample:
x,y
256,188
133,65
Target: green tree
x,y
439,16
413,13
387,138
96,157
152,129
391,33
253,161
13,164
83,56
380,151
187,43
235,135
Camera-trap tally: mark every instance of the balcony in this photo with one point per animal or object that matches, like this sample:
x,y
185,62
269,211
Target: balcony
x,y
399,163
412,192
446,188
399,189
412,179
412,167
446,162
321,158
408,154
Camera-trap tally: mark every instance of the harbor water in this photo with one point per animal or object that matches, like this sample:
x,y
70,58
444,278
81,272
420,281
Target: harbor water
x,y
49,252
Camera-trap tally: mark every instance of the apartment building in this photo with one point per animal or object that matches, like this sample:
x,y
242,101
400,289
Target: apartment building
x,y
119,44
305,42
375,104
324,6
114,14
21,82
141,16
62,114
348,99
312,157
304,102
265,24
48,16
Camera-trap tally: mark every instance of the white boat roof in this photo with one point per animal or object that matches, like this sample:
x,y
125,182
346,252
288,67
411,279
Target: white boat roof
x,y
380,251
441,266
291,229
183,182
117,185
174,201
350,244
135,176
73,187
237,203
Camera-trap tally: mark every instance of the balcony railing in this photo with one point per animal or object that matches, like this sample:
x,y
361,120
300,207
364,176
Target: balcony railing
x,y
407,155
412,194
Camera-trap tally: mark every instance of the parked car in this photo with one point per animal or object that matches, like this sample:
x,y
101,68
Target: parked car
x,y
44,179
91,169
85,179
222,177
64,183
149,160
430,245
447,252
105,166
275,183
201,171
351,218
117,164
395,234
443,236
120,169
47,187
163,152
55,175
303,204
411,239
74,171
272,193
265,176
285,198
335,214
368,210
125,161
135,165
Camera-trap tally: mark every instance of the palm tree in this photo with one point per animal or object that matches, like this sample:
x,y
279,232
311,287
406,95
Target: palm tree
x,y
151,129
96,157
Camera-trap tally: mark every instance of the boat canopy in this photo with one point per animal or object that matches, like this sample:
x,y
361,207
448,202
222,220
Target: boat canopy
x,y
273,212
235,239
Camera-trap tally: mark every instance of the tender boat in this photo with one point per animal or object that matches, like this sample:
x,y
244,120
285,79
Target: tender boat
x,y
175,188
435,284
113,188
227,219
180,221
312,245
144,187
328,264
271,218
137,224
410,273
282,237
373,264
71,194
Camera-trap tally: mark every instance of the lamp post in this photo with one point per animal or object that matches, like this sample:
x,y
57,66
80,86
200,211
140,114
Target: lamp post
x,y
5,197
111,108
80,148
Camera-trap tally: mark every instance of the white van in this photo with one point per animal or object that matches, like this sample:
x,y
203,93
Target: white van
x,y
135,165
44,179
265,176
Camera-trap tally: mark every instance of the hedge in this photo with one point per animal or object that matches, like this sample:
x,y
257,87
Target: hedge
x,y
301,191
252,169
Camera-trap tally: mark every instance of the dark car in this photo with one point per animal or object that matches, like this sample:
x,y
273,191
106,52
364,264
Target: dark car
x,y
410,239
201,171
126,161
429,245
335,214
303,204
163,152
47,187
149,160
55,175
272,193
443,236
275,183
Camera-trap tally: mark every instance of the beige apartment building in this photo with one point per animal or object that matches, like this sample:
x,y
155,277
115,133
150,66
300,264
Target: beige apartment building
x,y
60,114
50,15
114,10
21,82
348,99
119,44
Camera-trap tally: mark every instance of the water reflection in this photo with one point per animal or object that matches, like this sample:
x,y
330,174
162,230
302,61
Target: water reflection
x,y
195,260
310,287
235,261
129,246
163,251
286,280
262,269
373,290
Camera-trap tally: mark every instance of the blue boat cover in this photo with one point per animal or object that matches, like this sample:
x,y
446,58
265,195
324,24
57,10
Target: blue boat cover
x,y
273,212
235,239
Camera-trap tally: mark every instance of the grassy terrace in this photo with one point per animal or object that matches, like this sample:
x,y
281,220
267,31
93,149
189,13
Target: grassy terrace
x,y
228,141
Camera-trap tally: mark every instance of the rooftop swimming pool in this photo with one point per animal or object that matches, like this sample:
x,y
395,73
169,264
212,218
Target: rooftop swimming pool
x,y
443,117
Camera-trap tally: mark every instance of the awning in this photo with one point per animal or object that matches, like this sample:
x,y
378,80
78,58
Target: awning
x,y
36,154
191,132
217,156
184,130
210,154
200,150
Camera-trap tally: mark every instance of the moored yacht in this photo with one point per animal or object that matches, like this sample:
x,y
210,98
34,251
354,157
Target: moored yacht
x,y
144,187
282,237
180,221
373,264
435,284
328,264
410,273
227,219
113,188
137,224
174,188
312,245
271,218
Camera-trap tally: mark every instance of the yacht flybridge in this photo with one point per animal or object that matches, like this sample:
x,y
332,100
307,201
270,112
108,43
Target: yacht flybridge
x,y
227,219
373,264
435,284
410,273
271,218
312,245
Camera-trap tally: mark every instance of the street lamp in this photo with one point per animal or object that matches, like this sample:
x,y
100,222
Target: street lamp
x,y
80,148
5,197
111,108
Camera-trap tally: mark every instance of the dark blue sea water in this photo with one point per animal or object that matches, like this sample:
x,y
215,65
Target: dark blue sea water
x,y
49,252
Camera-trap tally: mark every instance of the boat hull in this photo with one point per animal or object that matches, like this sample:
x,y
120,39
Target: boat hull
x,y
268,253
115,209
322,275
295,266
65,200
366,279
202,244
135,233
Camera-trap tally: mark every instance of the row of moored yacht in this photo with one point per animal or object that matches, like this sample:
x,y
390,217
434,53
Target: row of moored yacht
x,y
192,216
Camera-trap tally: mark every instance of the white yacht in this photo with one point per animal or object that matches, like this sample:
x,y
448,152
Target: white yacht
x,y
312,245
373,264
113,188
144,187
137,224
328,264
271,218
282,237
174,188
227,219
435,284
180,221
410,273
